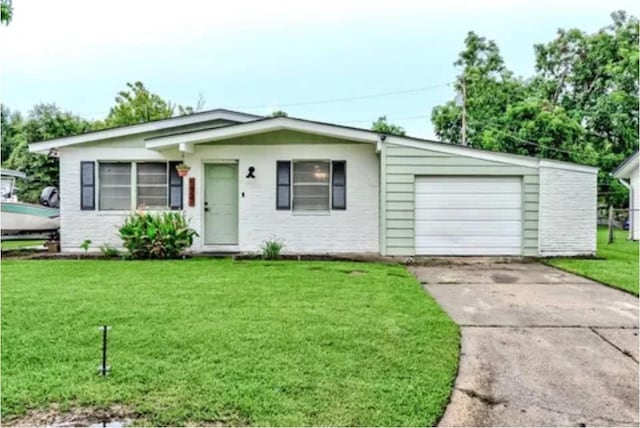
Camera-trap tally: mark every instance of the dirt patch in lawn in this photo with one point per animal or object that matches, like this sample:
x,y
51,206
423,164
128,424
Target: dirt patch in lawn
x,y
113,416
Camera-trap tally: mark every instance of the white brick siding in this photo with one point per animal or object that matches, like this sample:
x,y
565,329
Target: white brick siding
x,y
352,230
568,212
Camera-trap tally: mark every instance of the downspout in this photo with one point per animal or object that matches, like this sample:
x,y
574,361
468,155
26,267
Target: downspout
x,y
632,224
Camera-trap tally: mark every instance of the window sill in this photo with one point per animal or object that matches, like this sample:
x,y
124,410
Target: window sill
x,y
311,213
121,213
113,213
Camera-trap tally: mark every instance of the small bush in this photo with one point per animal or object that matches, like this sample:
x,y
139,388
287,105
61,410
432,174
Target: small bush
x,y
271,249
85,245
109,251
156,236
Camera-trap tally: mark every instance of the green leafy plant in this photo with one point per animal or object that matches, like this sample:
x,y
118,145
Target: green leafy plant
x,y
271,249
85,245
156,236
109,251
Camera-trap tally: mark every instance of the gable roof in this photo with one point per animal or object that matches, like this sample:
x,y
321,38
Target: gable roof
x,y
247,124
627,166
186,139
143,128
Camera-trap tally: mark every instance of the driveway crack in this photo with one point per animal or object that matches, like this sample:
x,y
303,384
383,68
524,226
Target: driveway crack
x,y
486,399
624,351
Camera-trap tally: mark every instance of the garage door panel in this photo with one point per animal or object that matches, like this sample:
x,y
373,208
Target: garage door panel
x,y
487,241
495,214
468,186
469,228
468,215
469,201
468,251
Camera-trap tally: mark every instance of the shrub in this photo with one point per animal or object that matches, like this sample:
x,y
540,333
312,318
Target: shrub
x,y
271,249
109,251
156,236
85,245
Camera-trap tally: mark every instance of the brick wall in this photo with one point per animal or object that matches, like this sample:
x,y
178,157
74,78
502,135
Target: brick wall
x,y
568,212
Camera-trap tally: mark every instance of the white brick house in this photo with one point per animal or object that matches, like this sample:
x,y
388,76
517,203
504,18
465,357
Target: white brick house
x,y
321,188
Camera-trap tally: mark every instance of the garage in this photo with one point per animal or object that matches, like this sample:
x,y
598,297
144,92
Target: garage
x,y
468,215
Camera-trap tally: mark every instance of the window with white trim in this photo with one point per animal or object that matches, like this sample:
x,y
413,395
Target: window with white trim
x,y
115,186
311,185
152,185
137,185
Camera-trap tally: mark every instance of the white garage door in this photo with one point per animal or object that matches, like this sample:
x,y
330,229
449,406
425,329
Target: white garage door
x,y
468,215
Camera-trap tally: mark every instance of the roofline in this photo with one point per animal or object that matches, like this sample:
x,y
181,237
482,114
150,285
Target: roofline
x,y
141,128
259,126
626,167
269,124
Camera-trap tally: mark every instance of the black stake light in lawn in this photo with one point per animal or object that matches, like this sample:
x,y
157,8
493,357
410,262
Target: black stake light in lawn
x,y
104,368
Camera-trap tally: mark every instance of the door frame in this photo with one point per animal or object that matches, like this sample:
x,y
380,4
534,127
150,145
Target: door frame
x,y
203,193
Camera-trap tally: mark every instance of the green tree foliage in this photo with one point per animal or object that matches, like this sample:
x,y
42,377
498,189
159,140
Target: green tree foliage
x,y
10,126
383,126
6,11
279,113
47,121
44,122
138,105
581,105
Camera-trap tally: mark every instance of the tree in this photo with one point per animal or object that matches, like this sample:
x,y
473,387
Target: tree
x,y
279,113
44,122
381,125
138,105
581,104
10,126
6,11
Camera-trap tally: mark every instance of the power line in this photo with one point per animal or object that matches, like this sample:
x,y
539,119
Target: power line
x,y
392,119
347,99
329,101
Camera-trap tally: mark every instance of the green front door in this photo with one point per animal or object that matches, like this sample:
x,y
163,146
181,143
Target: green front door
x,y
221,204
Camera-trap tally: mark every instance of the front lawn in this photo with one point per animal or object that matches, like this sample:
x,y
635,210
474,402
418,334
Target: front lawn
x,y
220,342
618,266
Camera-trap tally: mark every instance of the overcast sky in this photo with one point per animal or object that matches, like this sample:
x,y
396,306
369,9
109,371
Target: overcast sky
x,y
265,55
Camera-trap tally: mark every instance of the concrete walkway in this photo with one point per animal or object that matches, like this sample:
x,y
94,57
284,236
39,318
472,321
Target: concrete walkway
x,y
540,347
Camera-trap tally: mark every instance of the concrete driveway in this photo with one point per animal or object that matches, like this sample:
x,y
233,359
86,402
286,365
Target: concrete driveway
x,y
540,347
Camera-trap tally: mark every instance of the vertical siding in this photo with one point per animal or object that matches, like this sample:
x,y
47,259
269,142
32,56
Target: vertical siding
x,y
402,164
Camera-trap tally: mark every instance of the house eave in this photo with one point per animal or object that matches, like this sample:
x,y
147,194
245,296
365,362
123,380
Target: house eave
x,y
626,168
142,128
259,127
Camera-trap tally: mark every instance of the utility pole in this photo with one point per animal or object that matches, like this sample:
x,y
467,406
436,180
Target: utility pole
x,y
464,112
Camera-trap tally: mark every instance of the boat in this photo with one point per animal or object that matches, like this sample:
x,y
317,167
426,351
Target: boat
x,y
20,220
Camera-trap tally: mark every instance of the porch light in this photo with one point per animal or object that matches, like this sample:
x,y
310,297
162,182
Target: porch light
x,y
251,171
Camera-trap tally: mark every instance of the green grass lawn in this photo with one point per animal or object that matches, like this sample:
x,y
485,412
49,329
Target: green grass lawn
x,y
618,266
215,341
7,245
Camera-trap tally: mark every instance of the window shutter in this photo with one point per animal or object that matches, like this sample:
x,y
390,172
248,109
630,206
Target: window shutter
x,y
175,187
339,185
87,185
283,185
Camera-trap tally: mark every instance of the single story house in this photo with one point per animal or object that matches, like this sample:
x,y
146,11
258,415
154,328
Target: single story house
x,y
630,170
321,188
